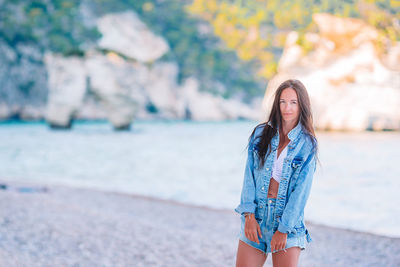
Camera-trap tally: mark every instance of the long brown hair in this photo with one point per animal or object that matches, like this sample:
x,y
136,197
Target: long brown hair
x,y
275,118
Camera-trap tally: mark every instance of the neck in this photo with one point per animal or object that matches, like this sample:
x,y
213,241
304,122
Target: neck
x,y
287,126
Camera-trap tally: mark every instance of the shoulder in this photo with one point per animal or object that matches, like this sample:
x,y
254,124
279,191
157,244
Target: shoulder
x,y
255,134
310,142
259,128
308,151
257,131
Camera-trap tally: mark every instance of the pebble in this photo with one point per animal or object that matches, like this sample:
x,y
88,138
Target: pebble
x,y
66,226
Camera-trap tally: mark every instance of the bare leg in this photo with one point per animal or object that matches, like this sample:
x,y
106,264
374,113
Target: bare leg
x,y
290,258
247,256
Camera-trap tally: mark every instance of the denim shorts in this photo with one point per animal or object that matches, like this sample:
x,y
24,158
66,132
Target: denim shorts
x,y
268,230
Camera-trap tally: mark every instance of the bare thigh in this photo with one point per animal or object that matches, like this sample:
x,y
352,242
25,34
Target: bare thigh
x,y
289,258
247,256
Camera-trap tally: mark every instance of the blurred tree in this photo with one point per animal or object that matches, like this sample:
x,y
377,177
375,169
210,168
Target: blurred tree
x,y
256,30
52,25
59,26
231,42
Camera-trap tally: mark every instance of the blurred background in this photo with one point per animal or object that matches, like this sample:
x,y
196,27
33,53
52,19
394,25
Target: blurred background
x,y
158,98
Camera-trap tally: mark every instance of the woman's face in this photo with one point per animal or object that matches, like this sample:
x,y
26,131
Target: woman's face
x,y
289,106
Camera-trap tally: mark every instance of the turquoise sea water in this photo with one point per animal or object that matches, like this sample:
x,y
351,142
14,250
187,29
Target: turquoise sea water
x,y
202,163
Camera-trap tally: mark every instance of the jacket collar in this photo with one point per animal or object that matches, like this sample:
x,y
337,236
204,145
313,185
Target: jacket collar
x,y
292,135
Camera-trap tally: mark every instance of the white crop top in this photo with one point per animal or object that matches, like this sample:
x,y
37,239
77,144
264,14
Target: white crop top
x,y
278,163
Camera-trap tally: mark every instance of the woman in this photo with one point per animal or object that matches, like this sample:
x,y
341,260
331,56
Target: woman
x,y
281,158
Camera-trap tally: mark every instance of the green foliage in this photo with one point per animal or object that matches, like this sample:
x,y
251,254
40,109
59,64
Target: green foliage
x,y
57,25
254,29
197,55
241,49
52,25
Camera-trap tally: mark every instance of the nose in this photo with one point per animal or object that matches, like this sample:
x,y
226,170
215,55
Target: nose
x,y
287,107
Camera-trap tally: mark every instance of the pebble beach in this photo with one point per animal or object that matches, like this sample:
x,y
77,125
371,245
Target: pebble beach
x,y
69,226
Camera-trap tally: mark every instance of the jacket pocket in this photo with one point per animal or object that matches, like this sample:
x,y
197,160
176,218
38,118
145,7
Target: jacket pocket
x,y
296,163
295,167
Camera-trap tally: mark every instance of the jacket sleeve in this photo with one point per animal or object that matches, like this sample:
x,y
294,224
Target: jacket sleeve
x,y
247,199
298,198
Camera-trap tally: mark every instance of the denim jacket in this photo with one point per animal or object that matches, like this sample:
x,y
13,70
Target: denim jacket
x,y
294,187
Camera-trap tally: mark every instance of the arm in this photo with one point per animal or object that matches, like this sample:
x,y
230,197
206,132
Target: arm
x,y
247,198
299,196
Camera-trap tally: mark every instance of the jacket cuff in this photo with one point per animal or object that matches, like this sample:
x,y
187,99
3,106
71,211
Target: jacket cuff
x,y
284,229
246,207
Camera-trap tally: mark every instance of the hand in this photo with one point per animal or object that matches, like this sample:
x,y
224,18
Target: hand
x,y
252,228
278,241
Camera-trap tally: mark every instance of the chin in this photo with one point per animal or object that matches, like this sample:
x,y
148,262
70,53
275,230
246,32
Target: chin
x,y
288,119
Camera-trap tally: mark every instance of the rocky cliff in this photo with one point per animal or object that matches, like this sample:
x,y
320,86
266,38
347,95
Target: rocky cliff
x,y
121,78
353,84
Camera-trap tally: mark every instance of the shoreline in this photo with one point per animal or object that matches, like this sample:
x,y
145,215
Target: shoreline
x,y
68,225
170,201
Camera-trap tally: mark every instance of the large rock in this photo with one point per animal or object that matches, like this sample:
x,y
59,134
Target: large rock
x,y
67,88
116,89
126,34
127,89
111,80
202,106
115,81
351,85
102,81
163,91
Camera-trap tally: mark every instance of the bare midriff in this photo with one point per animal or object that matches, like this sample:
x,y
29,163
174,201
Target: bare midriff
x,y
273,184
273,188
